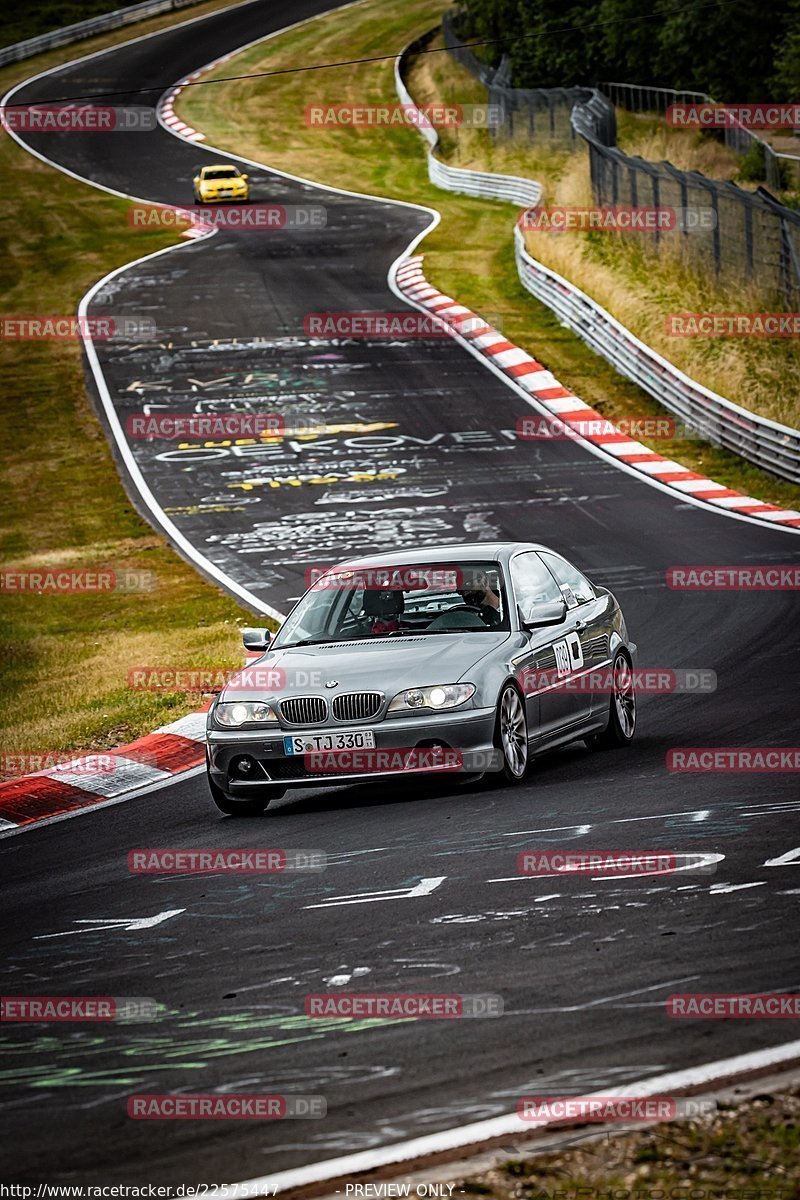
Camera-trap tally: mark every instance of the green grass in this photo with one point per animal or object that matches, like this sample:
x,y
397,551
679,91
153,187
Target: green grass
x,y
751,1149
64,659
470,253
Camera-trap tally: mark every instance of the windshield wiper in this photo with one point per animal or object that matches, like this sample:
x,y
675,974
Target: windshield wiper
x,y
304,642
419,632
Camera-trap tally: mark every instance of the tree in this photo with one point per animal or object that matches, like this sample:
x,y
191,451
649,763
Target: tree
x,y
785,81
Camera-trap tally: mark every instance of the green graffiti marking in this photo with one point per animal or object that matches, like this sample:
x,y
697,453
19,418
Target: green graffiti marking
x,y
68,1062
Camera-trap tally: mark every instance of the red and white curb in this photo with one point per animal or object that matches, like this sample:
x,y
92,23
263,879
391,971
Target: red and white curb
x,y
543,387
168,116
165,108
165,112
88,781
84,782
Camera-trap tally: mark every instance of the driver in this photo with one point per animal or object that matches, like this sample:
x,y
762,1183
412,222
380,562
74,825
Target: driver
x,y
481,595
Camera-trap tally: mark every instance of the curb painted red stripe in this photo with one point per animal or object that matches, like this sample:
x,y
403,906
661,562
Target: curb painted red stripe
x,y
34,797
411,281
150,759
164,751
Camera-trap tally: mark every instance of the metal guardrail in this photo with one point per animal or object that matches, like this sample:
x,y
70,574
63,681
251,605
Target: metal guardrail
x,y
774,447
766,443
483,184
88,28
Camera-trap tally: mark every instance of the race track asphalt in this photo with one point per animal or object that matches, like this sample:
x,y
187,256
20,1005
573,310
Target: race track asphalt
x,y
583,966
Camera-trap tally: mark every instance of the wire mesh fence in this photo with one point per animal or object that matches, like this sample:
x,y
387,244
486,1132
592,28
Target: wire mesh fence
x,y
779,169
744,237
528,114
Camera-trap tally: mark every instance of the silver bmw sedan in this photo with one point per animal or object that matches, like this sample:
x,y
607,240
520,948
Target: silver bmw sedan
x,y
464,662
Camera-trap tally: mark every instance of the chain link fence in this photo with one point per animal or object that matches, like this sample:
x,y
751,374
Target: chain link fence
x,y
779,169
527,114
743,236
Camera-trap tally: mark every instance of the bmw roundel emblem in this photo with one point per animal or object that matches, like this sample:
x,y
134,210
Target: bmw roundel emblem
x,y
331,683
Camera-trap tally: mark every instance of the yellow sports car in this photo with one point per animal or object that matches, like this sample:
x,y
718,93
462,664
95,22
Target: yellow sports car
x,y
221,181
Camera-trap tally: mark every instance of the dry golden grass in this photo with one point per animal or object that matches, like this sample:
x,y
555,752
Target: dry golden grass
x,y
651,138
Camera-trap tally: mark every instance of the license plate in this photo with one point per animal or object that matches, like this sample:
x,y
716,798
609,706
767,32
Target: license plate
x,y
338,739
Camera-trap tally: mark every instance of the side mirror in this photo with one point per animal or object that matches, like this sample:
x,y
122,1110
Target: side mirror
x,y
245,176
553,612
256,640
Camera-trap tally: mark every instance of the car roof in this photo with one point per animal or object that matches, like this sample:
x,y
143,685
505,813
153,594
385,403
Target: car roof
x,y
496,551
216,166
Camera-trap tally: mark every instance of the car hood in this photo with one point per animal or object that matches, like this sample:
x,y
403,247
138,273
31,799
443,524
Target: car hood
x,y
387,665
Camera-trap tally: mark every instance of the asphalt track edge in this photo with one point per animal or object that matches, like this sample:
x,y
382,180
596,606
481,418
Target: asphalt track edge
x,y
108,802
451,1144
43,798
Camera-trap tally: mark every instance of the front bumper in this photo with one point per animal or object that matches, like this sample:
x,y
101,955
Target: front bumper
x,y
228,198
470,733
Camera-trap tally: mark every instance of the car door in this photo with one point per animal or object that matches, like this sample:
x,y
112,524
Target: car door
x,y
586,623
552,655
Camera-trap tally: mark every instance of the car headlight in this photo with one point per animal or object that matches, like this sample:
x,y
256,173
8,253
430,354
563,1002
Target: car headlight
x,y
243,712
439,696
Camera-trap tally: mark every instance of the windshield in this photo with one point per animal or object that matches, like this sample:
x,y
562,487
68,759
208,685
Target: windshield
x,y
221,173
399,601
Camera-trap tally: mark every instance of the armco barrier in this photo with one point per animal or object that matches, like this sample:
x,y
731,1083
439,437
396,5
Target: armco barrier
x,y
774,447
483,184
88,28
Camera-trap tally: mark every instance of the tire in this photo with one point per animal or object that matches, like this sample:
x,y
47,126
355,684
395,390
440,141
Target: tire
x,y
241,808
621,709
511,737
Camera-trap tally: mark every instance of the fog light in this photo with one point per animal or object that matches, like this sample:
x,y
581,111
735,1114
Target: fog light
x,y
244,767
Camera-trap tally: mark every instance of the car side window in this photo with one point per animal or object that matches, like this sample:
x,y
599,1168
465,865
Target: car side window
x,y
533,583
575,587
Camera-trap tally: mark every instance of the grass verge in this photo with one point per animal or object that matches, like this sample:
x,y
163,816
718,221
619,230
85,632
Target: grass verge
x,y
470,253
65,658
750,1150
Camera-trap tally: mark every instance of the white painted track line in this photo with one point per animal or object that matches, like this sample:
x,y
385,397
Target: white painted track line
x,y
480,1132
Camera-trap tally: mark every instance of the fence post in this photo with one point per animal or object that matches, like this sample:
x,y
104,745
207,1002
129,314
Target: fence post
x,y
657,206
715,231
748,238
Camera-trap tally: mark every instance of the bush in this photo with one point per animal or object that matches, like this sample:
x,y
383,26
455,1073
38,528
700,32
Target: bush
x,y
753,167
